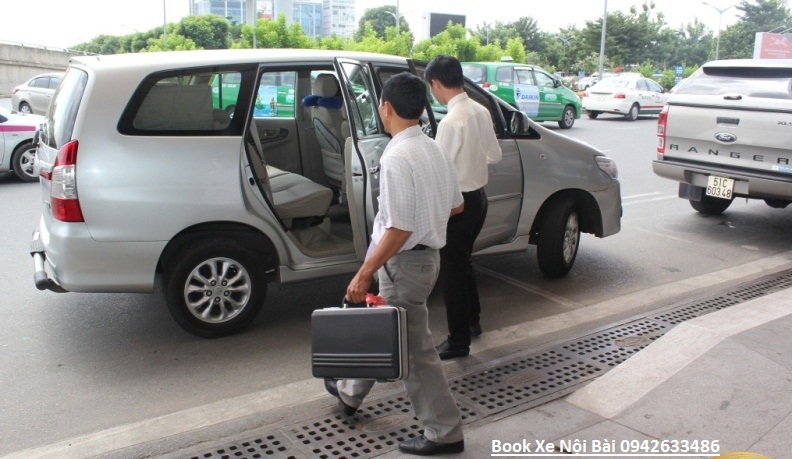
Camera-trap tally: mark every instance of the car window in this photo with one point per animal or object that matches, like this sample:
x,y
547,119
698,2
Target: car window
x,y
275,95
59,122
476,73
195,102
654,86
504,75
543,79
524,76
641,85
363,105
771,83
53,83
39,82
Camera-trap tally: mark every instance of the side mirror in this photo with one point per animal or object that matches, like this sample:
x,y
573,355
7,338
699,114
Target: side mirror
x,y
518,124
557,82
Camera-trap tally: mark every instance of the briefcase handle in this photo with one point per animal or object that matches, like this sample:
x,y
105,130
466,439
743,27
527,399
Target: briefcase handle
x,y
372,300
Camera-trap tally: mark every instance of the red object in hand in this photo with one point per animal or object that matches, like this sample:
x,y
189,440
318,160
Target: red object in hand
x,y
374,300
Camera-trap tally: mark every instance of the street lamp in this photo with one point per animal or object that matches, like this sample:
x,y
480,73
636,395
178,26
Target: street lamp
x,y
720,17
602,42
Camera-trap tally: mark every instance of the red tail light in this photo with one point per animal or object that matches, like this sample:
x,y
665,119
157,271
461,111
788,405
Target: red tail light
x,y
15,90
586,94
63,187
486,85
662,123
619,95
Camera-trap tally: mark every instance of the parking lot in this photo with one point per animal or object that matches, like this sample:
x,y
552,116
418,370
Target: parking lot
x,y
82,363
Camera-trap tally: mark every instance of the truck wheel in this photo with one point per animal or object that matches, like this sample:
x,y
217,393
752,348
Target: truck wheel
x,y
559,237
214,288
593,115
632,115
711,206
568,118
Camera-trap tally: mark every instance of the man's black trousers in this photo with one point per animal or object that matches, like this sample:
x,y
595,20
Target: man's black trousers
x,y
460,292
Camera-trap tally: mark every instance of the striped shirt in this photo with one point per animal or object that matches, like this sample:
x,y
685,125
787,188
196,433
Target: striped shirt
x,y
418,189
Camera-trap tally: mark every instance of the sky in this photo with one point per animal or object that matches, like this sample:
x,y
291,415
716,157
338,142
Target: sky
x,y
63,23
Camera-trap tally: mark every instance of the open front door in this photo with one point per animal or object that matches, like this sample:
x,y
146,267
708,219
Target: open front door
x,y
362,150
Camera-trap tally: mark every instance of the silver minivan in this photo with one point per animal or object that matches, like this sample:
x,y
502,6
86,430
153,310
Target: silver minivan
x,y
218,172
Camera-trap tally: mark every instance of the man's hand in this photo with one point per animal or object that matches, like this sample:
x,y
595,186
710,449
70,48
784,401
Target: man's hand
x,y
357,289
390,244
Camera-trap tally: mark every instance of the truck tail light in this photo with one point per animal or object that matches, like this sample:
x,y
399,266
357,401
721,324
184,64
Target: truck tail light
x,y
662,122
63,186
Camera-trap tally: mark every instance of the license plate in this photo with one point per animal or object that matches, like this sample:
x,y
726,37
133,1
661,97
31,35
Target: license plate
x,y
720,187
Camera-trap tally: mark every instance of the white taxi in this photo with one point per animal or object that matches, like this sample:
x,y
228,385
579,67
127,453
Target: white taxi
x,y
628,96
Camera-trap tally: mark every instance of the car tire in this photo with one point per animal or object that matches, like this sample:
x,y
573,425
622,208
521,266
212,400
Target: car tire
x,y
632,115
568,118
559,238
214,288
22,162
711,206
24,107
593,115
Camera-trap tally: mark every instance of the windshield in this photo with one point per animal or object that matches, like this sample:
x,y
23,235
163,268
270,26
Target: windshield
x,y
771,83
613,83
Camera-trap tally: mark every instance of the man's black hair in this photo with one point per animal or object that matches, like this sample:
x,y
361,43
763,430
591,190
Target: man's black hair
x,y
407,94
445,69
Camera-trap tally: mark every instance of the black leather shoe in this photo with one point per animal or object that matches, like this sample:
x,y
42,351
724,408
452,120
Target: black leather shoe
x,y
422,446
332,388
446,351
475,330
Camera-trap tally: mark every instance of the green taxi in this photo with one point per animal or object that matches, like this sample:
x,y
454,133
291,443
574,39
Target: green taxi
x,y
531,89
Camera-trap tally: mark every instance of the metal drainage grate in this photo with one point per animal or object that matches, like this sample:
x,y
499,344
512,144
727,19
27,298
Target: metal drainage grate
x,y
526,380
521,381
270,446
614,346
375,429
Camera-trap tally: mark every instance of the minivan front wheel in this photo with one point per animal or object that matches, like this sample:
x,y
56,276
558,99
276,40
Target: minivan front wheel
x,y
214,288
559,238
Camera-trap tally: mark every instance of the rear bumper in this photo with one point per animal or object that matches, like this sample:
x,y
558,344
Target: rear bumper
x,y
40,277
747,184
67,258
613,106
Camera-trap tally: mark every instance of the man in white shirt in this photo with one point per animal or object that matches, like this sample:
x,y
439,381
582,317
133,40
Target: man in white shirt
x,y
418,192
468,136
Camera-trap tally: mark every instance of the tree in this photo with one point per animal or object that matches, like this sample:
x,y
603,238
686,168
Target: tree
x,y
174,42
274,34
737,41
380,18
208,31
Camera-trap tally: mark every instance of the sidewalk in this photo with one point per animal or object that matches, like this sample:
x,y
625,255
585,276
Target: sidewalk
x,y
725,377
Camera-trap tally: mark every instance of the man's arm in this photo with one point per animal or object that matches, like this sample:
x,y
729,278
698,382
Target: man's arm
x,y
458,209
390,244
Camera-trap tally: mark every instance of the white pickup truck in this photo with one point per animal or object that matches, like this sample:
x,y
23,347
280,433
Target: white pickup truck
x,y
726,132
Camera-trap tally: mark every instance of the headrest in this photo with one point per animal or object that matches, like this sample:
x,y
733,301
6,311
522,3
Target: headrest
x,y
325,85
334,103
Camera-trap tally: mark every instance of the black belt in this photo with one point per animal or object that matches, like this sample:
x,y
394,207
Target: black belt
x,y
473,193
421,247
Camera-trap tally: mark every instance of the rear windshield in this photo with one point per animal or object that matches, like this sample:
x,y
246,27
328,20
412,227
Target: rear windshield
x,y
59,121
610,82
771,83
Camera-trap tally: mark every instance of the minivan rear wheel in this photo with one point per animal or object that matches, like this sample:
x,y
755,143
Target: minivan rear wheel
x,y
214,288
559,238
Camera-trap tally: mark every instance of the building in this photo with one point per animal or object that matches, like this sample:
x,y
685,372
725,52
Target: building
x,y
308,13
234,10
338,17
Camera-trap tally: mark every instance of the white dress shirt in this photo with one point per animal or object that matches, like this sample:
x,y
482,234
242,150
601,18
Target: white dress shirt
x,y
467,134
418,189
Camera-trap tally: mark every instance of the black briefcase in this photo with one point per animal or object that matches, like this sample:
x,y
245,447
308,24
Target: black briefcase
x,y
360,343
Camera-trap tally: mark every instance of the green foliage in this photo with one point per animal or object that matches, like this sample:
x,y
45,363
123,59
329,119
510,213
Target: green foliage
x,y
380,19
274,34
208,31
174,42
737,41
